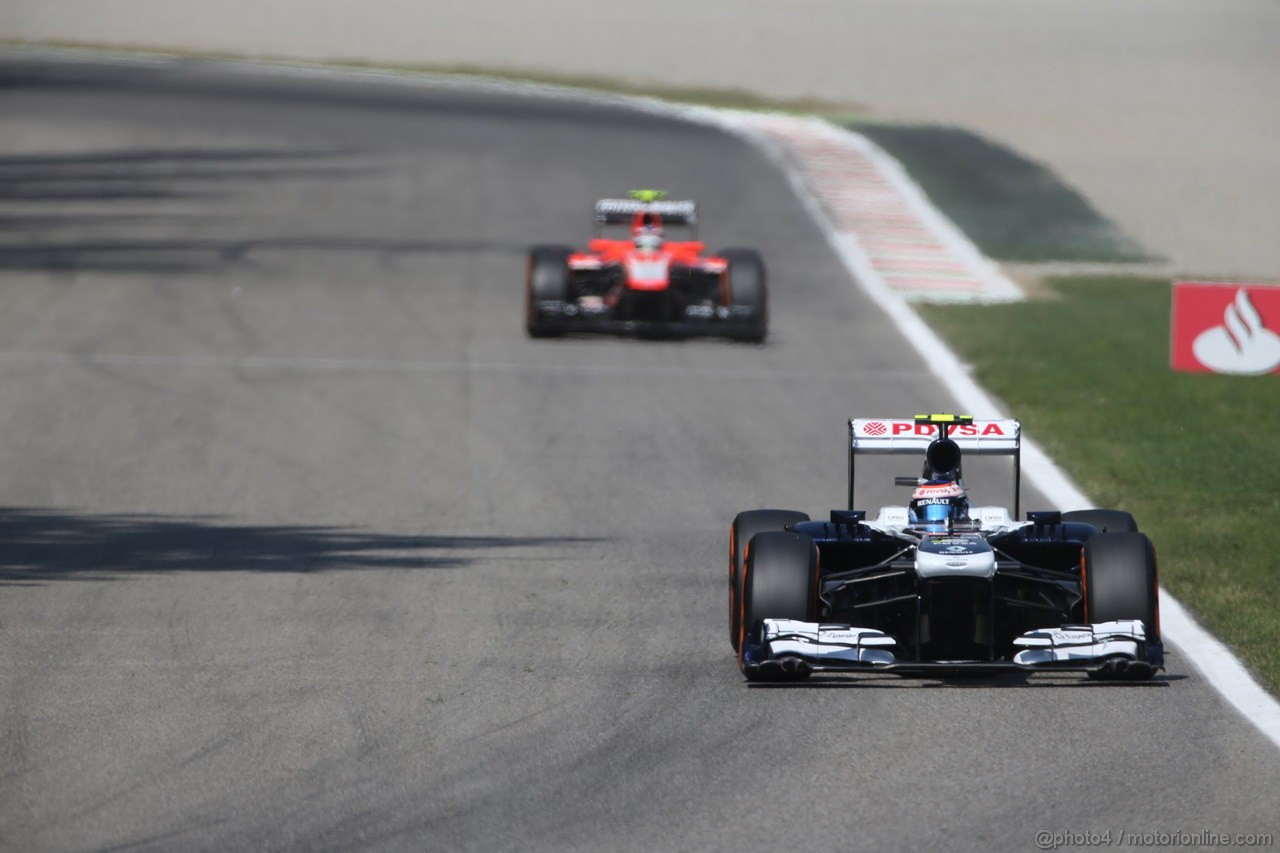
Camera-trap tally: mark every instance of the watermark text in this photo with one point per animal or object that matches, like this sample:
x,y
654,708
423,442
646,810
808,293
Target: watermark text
x,y
1046,840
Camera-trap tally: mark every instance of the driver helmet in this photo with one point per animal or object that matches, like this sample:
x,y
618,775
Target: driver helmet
x,y
649,238
647,231
938,504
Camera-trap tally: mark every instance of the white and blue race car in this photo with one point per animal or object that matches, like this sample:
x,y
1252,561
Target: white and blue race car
x,y
938,586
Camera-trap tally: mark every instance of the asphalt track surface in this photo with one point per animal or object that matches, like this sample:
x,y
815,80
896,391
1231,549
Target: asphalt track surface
x,y
304,545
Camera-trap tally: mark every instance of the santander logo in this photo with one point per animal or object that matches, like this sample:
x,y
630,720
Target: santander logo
x,y
1224,328
1241,344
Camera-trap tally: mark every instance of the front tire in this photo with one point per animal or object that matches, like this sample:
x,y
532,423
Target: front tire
x,y
746,525
780,581
1121,581
546,280
747,286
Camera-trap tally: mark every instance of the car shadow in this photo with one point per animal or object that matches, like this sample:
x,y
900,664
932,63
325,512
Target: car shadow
x,y
39,546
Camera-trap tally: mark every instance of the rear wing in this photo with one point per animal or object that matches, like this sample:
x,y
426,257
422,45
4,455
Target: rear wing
x,y
900,436
618,211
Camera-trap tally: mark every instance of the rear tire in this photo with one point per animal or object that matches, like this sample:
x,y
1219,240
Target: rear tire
x,y
748,288
746,525
547,280
1121,581
1106,520
780,581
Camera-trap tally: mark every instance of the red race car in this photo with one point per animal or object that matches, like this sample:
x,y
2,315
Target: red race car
x,y
646,283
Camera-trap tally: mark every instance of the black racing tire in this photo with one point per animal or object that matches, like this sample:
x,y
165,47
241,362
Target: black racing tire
x,y
546,280
748,287
1121,581
780,579
1106,520
746,525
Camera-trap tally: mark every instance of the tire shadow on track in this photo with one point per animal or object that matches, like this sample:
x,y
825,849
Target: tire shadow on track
x,y
39,546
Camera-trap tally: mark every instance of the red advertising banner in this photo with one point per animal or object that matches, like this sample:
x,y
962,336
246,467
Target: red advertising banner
x,y
1225,327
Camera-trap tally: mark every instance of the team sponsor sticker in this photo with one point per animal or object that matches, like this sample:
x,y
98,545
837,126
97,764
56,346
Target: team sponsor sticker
x,y
937,493
953,546
977,429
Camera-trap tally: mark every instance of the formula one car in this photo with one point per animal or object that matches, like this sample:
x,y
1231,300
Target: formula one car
x,y
646,283
939,587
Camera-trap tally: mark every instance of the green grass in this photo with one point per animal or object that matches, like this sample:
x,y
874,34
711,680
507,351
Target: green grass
x,y
1192,456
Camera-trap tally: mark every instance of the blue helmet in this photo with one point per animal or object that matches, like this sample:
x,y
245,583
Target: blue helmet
x,y
937,504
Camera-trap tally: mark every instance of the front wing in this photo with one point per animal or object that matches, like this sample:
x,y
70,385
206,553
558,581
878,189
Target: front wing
x,y
790,650
592,315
